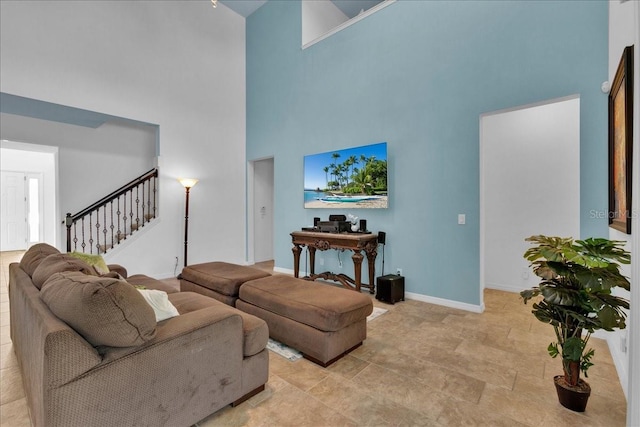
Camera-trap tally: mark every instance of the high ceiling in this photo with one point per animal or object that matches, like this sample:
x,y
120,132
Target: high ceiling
x,y
349,7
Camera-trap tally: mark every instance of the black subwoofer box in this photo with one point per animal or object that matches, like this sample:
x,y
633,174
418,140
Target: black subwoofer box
x,y
390,288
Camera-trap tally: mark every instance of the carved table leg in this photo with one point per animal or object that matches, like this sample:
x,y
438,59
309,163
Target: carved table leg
x,y
371,261
357,268
296,260
312,260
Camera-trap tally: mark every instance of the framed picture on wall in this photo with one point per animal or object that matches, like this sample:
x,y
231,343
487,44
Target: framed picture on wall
x,y
621,144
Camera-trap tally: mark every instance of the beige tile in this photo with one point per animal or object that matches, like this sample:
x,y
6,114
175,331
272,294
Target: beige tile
x,y
15,414
11,380
462,413
402,390
365,408
475,366
349,366
302,373
7,356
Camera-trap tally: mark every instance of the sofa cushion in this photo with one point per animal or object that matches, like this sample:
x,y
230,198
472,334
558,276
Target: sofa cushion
x,y
34,255
95,261
142,281
105,311
255,330
58,263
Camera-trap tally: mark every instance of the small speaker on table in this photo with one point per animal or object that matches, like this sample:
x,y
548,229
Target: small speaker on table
x,y
382,237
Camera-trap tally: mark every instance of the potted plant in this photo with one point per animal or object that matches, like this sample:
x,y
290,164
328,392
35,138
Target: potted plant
x,y
577,279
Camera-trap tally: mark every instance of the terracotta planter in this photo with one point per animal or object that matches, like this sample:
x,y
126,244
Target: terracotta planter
x,y
574,398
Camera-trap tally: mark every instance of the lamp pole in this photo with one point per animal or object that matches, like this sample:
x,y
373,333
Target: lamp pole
x,y
187,183
186,225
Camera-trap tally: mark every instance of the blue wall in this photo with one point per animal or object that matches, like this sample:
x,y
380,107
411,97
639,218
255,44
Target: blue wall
x,y
418,74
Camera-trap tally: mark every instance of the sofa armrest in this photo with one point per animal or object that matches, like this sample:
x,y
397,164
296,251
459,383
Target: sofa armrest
x,y
192,368
118,269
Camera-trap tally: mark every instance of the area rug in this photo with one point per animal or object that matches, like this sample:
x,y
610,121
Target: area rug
x,y
377,312
283,350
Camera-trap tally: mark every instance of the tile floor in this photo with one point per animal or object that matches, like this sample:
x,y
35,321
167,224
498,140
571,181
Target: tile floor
x,y
421,365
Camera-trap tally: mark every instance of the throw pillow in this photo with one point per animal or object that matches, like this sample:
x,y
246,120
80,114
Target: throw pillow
x,y
159,302
34,255
105,311
96,261
57,263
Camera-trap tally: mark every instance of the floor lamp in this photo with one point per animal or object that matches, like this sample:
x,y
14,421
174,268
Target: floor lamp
x,y
187,183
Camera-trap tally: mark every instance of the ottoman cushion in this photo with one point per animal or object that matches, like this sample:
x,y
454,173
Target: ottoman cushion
x,y
324,307
221,277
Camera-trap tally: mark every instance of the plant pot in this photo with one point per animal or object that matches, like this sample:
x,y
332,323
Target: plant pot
x,y
572,397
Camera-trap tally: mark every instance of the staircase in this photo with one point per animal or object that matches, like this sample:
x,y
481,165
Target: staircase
x,y
109,221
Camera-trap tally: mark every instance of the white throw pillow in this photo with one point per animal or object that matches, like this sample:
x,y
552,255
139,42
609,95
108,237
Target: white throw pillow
x,y
159,301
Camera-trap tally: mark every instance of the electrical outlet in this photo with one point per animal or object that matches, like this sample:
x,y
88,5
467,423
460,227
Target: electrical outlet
x,y
339,263
321,261
398,272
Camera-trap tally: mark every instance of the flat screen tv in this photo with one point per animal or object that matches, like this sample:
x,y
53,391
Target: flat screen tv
x,y
353,178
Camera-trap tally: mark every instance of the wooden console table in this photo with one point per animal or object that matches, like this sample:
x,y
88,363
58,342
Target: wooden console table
x,y
356,242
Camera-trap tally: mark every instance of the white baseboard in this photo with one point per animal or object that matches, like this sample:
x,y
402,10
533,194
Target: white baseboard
x,y
445,302
287,271
619,360
505,288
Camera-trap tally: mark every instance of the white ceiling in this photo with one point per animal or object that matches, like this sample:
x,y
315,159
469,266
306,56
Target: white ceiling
x,y
349,7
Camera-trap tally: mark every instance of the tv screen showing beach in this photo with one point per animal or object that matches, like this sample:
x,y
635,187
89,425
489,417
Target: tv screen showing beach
x,y
350,178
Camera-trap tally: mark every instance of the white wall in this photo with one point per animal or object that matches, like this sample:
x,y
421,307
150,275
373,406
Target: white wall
x,y
14,158
624,30
530,185
318,18
177,64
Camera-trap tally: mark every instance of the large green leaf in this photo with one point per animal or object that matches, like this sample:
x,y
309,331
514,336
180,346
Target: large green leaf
x,y
572,349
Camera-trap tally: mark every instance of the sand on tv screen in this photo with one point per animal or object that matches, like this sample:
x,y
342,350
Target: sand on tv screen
x,y
349,178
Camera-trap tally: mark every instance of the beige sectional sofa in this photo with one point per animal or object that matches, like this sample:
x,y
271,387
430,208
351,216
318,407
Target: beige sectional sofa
x,y
110,363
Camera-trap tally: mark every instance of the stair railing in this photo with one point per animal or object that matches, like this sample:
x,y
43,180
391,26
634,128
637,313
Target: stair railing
x,y
113,218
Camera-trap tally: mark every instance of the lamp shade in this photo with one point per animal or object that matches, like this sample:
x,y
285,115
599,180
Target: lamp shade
x,y
188,182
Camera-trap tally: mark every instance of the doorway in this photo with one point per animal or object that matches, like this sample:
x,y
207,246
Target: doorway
x,y
28,189
260,221
529,184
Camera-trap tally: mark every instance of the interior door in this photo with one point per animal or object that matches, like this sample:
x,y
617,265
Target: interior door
x,y
13,234
263,217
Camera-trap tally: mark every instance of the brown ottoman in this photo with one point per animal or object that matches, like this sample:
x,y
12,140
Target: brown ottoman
x,y
322,321
219,280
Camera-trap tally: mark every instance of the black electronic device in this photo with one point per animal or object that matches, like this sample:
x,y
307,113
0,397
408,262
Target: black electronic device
x,y
337,217
316,220
382,237
363,225
390,288
334,226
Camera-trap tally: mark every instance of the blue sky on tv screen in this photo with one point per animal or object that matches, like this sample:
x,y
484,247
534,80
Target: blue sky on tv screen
x,y
314,164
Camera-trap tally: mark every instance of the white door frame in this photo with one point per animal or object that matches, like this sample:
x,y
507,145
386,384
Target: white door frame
x,y
482,182
251,209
